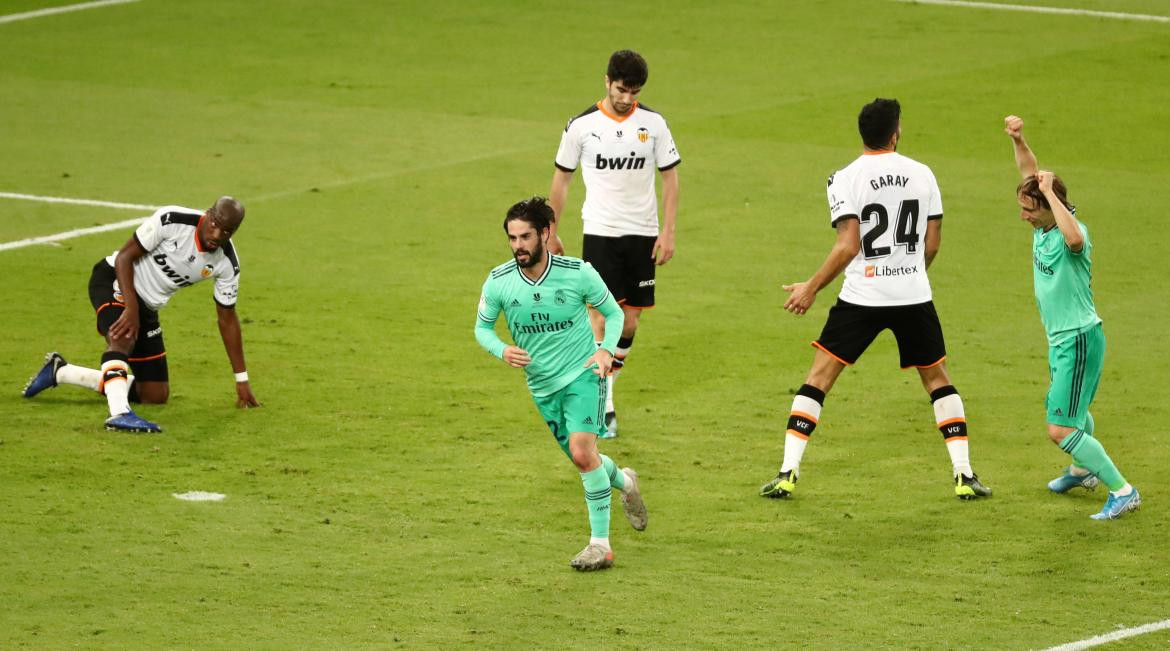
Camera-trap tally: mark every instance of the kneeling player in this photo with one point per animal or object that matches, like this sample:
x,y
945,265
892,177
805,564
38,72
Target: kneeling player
x,y
543,298
174,248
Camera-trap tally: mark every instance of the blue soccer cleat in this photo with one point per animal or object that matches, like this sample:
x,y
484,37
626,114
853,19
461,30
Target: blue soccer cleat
x,y
1069,481
610,426
131,422
1117,506
46,378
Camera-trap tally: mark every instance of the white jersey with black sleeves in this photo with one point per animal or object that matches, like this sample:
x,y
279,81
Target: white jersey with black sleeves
x,y
175,259
892,197
618,156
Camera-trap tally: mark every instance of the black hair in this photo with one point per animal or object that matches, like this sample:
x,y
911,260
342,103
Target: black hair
x,y
535,211
878,121
628,67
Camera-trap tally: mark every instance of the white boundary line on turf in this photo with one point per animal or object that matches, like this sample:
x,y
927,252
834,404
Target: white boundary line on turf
x,y
1042,10
1112,637
11,18
57,237
76,202
78,232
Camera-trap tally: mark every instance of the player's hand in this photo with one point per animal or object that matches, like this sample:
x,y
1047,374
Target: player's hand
x,y
1013,125
516,357
1044,179
663,249
602,360
801,297
555,245
244,397
126,327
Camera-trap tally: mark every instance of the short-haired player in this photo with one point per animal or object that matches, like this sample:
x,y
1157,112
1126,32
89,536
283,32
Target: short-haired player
x,y
543,299
887,211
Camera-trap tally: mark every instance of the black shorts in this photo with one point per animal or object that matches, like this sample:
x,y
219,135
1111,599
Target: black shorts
x,y
148,360
850,329
626,264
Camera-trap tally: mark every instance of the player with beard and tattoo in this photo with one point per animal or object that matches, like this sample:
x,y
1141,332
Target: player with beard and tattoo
x,y
543,298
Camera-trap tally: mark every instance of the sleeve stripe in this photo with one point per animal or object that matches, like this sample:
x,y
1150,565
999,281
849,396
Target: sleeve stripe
x,y
933,217
563,168
843,218
671,166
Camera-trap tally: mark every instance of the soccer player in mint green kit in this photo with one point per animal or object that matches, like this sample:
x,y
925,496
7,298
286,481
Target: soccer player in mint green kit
x,y
1062,273
543,298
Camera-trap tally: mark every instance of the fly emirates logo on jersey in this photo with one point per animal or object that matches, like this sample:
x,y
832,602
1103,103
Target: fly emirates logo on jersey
x,y
874,271
541,322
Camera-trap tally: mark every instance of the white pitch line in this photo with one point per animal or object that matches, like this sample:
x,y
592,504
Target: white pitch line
x,y
11,18
76,202
1112,637
57,237
1043,10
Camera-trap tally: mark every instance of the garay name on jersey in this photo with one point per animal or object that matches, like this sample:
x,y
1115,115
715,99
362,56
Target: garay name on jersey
x,y
889,180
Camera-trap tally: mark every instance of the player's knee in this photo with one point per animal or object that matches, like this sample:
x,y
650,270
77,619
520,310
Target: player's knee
x,y
1057,432
154,395
582,459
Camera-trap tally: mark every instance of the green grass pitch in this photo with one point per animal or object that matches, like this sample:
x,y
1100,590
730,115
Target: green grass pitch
x,y
398,487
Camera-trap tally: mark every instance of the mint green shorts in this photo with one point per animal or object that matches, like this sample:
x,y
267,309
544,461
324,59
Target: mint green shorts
x,y
1074,369
578,407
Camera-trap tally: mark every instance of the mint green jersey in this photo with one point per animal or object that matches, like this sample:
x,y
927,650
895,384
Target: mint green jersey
x,y
1062,280
548,318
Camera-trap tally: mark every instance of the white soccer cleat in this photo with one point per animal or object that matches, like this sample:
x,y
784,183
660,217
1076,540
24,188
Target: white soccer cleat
x,y
593,557
632,502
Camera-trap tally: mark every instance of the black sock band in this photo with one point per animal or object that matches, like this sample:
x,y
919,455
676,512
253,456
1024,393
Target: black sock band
x,y
942,392
809,391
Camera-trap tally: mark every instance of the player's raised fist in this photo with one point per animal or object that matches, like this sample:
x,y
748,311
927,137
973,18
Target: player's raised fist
x,y
1013,125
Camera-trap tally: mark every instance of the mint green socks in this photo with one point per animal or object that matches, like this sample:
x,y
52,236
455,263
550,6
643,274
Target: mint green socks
x,y
1088,453
617,478
598,495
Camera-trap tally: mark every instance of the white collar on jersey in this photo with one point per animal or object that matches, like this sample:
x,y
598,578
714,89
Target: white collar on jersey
x,y
547,267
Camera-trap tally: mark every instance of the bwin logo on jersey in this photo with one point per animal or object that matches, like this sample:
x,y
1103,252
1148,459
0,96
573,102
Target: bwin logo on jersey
x,y
631,162
161,260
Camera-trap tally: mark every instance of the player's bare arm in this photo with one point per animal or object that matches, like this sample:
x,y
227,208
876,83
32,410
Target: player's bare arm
x,y
233,342
557,195
516,357
933,240
125,329
664,246
802,295
1073,238
1013,125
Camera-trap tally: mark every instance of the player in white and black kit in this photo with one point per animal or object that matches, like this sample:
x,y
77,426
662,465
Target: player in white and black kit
x,y
174,248
888,214
619,144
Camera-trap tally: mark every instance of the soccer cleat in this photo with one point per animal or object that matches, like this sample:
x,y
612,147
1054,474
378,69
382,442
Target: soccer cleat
x,y
1117,506
632,502
46,378
969,488
610,426
131,422
1069,481
782,486
593,557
